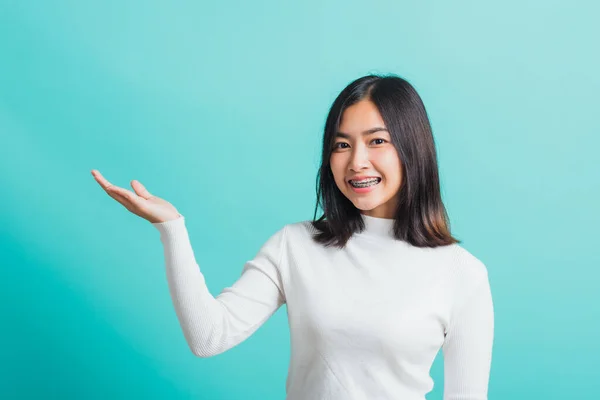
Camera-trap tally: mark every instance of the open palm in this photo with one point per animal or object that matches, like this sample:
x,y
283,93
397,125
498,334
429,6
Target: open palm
x,y
141,202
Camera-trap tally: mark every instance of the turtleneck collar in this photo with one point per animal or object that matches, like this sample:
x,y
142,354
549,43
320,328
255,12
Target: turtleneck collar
x,y
378,226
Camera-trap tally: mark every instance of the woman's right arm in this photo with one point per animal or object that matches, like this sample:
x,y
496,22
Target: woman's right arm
x,y
210,325
213,325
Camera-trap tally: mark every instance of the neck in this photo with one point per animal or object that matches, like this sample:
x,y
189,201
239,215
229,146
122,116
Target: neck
x,y
375,226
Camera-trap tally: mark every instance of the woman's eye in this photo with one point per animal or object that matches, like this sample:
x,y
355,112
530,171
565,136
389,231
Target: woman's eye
x,y
338,145
382,141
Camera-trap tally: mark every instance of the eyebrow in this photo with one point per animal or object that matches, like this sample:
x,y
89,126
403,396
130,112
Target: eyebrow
x,y
365,133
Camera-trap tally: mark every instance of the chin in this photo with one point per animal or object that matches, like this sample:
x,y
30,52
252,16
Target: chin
x,y
366,205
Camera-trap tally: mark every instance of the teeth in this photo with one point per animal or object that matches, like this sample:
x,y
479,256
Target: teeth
x,y
365,183
369,180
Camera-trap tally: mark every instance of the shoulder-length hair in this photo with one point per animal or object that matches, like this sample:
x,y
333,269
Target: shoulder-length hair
x,y
421,217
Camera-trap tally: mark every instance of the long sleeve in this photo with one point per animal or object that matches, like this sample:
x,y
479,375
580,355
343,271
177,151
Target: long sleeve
x,y
212,325
468,345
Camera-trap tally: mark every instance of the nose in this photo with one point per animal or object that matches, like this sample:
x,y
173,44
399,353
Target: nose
x,y
359,159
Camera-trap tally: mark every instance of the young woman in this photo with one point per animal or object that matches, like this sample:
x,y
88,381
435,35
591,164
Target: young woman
x,y
374,287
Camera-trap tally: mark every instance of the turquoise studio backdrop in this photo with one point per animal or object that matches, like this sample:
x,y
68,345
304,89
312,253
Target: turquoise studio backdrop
x,y
219,107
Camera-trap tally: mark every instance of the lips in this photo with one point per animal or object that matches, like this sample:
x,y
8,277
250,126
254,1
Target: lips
x,y
363,177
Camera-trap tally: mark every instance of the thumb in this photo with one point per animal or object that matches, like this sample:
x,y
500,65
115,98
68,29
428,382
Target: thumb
x,y
140,190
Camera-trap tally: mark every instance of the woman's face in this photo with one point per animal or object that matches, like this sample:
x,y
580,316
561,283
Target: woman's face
x,y
363,149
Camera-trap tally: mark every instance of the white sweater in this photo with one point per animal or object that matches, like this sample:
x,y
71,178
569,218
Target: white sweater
x,y
366,321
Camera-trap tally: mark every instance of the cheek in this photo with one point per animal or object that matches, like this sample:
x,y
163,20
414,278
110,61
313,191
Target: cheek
x,y
389,165
337,169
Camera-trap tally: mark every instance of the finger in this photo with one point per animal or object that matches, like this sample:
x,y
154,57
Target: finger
x,y
140,189
126,202
109,187
101,180
127,194
120,198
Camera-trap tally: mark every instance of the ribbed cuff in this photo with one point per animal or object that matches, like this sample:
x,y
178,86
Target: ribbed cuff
x,y
171,227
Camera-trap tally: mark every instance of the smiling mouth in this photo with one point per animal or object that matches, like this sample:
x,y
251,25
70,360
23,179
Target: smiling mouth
x,y
364,183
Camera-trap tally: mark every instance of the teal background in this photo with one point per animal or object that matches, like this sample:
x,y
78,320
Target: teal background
x,y
218,107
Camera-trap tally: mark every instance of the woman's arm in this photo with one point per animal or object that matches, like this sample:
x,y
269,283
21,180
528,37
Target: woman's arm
x,y
212,325
467,347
